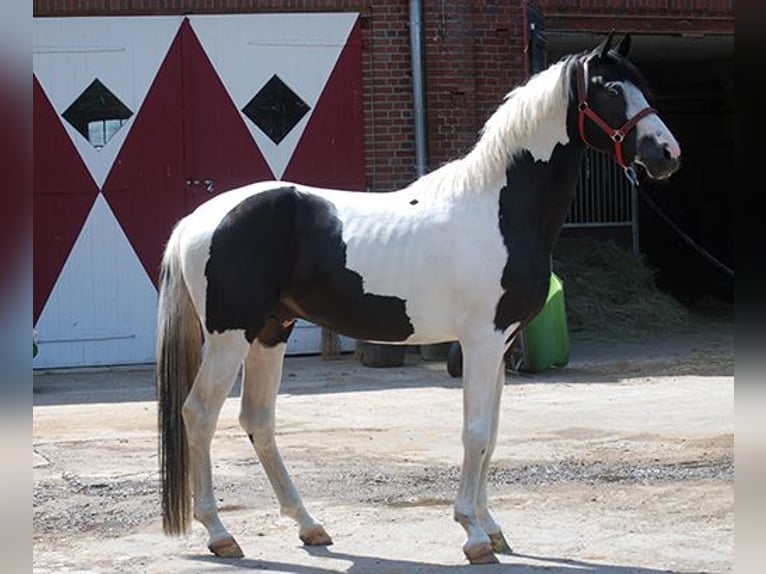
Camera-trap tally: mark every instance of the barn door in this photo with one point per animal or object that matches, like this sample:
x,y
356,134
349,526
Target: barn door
x,y
100,206
137,120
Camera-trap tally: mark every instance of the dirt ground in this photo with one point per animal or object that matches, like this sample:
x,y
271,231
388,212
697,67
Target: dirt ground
x,y
621,462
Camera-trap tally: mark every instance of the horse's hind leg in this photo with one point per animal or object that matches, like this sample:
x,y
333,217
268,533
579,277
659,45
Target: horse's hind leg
x,y
260,385
222,359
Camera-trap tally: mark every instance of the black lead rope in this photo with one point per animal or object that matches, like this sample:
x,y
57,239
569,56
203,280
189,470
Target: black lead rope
x,y
645,196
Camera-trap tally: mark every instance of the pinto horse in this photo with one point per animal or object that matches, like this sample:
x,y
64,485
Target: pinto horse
x,y
463,253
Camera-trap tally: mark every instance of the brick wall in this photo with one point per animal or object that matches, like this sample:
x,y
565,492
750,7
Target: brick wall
x,y
473,58
655,16
387,84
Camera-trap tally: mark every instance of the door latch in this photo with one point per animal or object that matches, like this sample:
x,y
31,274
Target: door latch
x,y
208,183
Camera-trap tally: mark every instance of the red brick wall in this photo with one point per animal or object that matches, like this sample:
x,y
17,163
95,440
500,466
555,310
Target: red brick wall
x,y
655,16
473,58
389,127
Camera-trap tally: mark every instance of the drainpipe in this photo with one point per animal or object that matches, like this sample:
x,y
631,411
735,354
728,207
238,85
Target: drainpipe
x,y
525,37
418,85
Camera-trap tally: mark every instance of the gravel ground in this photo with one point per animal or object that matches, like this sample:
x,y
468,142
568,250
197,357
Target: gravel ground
x,y
620,462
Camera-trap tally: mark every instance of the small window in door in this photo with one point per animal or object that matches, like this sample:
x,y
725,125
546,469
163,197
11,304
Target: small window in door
x,y
97,114
276,109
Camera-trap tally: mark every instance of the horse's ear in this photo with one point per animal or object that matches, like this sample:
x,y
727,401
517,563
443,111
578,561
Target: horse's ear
x,y
624,46
606,45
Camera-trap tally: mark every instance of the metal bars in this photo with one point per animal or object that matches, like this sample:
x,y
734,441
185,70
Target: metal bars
x,y
603,194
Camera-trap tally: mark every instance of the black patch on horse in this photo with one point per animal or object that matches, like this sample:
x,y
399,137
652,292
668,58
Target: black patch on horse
x,y
279,255
531,211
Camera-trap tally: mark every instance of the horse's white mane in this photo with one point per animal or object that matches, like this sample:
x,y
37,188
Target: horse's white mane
x,y
522,114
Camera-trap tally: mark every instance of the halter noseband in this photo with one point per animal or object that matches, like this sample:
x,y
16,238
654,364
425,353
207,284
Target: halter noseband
x,y
616,135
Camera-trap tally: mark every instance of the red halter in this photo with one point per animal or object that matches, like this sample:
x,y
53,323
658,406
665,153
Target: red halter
x,y
616,135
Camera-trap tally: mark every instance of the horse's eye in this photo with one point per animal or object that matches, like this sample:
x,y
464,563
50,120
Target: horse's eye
x,y
613,90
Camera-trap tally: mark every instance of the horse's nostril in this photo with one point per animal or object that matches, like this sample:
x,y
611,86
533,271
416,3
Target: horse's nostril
x,y
666,152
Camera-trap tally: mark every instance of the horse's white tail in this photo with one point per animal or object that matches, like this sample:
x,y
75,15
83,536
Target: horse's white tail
x,y
179,341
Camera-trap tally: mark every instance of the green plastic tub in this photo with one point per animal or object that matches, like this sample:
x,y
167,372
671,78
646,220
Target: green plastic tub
x,y
545,340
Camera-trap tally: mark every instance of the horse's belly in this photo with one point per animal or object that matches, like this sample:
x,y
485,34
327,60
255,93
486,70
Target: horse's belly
x,y
441,283
413,305
348,305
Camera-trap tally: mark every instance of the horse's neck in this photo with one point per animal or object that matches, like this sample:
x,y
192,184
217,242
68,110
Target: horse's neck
x,y
537,195
534,119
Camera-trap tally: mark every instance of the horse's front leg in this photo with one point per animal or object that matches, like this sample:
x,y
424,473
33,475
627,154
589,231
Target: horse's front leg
x,y
499,543
482,357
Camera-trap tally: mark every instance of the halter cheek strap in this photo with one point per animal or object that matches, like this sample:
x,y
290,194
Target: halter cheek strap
x,y
616,135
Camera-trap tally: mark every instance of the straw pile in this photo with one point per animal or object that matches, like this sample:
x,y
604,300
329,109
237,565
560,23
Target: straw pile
x,y
611,292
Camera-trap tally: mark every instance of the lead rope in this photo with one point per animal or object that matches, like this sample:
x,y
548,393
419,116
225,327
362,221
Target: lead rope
x,y
694,245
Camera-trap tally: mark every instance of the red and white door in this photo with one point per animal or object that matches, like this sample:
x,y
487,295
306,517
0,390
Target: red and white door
x,y
137,120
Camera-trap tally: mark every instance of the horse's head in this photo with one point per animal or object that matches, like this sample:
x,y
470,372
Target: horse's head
x,y
614,113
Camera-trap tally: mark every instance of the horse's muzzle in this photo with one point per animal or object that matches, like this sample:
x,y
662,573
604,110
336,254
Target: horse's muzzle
x,y
660,156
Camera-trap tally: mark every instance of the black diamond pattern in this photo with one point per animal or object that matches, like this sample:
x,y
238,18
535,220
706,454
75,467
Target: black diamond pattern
x,y
276,109
97,105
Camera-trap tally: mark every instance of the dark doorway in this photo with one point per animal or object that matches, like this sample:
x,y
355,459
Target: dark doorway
x,y
692,79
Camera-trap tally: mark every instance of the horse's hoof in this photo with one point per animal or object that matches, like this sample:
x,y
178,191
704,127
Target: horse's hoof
x,y
481,554
499,543
315,536
226,548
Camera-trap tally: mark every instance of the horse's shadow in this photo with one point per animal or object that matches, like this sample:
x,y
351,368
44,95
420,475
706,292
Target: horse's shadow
x,y
361,564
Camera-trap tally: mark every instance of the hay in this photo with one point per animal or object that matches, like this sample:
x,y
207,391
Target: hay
x,y
611,292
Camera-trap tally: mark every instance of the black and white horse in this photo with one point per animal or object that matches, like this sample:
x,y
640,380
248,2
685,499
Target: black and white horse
x,y
463,253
